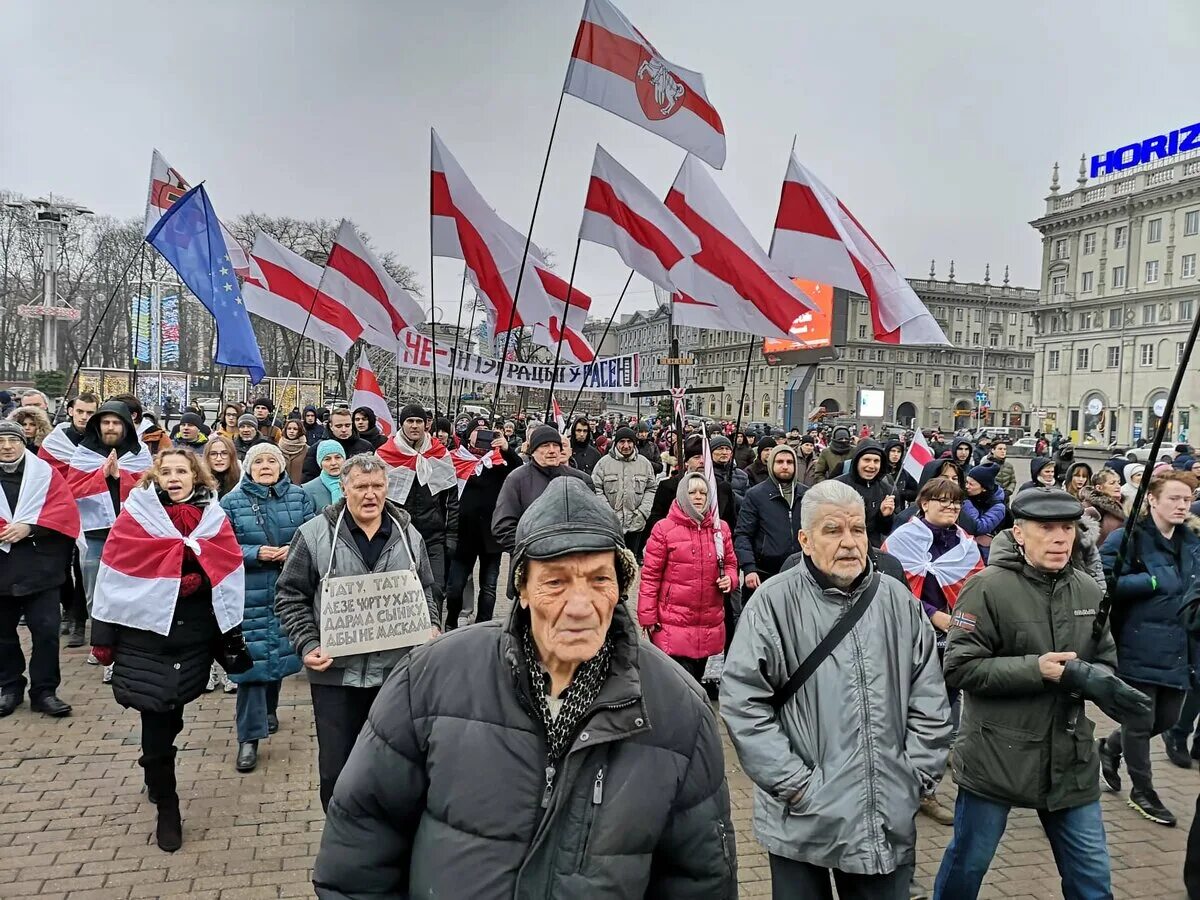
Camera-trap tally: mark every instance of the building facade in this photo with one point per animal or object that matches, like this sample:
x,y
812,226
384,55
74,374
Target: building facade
x,y
1118,294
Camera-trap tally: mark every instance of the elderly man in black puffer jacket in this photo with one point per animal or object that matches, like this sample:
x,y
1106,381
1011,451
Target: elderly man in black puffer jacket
x,y
556,756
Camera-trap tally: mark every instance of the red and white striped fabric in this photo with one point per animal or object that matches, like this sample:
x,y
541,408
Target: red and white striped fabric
x,y
138,582
284,286
560,421
918,456
463,226
614,67
731,282
622,213
431,466
368,393
818,238
57,449
910,544
468,465
356,278
167,186
575,347
89,486
44,500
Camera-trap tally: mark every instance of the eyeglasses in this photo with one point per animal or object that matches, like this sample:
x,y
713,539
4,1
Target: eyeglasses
x,y
949,504
219,454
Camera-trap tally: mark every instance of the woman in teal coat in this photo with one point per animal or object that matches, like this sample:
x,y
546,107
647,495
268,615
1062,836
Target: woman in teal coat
x,y
265,510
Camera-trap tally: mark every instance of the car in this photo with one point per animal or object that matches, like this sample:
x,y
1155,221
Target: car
x,y
1142,454
1022,447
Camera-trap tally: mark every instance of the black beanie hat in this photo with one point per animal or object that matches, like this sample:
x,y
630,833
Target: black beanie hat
x,y
544,434
264,401
411,411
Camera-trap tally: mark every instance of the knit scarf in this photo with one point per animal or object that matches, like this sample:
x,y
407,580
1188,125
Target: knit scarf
x,y
334,484
577,699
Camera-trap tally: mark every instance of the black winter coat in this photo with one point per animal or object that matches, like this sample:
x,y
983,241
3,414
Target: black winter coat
x,y
434,517
766,533
477,505
38,563
443,793
519,490
873,493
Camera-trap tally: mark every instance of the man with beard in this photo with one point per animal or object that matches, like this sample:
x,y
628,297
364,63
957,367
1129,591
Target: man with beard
x,y
367,427
340,429
769,521
584,454
149,432
546,462
647,448
829,463
877,492
423,482
314,431
625,480
264,409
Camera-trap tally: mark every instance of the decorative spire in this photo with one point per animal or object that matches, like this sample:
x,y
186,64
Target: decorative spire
x,y
1006,276
987,273
1054,180
1082,179
931,274
951,270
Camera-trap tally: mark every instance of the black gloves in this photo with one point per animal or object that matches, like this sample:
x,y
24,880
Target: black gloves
x,y
235,656
1116,699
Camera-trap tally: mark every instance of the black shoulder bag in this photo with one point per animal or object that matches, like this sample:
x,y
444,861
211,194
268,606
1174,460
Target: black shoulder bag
x,y
828,644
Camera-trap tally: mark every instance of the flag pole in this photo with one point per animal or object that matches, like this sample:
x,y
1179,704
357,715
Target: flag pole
x,y
603,335
512,313
562,328
462,292
138,326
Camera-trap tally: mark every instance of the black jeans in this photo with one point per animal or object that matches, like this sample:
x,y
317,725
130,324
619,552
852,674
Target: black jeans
x,y
436,551
792,880
485,596
74,602
159,730
694,667
43,616
636,542
1182,730
1166,702
339,713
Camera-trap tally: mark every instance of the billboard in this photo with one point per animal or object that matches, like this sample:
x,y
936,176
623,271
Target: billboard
x,y
870,404
814,329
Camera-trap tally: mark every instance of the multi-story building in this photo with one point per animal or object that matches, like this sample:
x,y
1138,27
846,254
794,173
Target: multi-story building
x,y
1119,291
988,324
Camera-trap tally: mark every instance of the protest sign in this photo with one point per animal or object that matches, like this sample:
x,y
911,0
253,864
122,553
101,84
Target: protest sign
x,y
370,613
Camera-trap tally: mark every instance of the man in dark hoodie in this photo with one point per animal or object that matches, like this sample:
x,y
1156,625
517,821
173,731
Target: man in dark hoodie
x,y
866,476
829,463
1041,474
962,453
806,459
584,454
367,427
756,472
768,523
904,485
647,448
314,431
1064,458
340,429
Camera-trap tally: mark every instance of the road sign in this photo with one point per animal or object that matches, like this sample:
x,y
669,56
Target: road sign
x,y
36,311
980,397
676,361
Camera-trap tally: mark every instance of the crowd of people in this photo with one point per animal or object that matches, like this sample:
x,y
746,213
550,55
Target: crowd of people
x,y
850,622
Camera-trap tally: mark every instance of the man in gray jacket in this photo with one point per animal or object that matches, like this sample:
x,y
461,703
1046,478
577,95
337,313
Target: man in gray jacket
x,y
362,534
625,479
839,768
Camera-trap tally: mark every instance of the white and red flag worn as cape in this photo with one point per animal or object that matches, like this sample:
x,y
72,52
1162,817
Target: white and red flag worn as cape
x,y
368,393
57,449
356,278
918,455
431,466
44,501
731,282
614,67
89,486
167,186
622,213
467,464
138,582
283,287
817,238
910,544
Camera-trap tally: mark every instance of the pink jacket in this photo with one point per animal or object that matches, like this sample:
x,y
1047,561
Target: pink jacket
x,y
678,589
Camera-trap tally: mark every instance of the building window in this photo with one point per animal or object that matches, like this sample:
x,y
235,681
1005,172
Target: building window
x,y
1060,248
1118,276
1085,320
1089,244
993,340
1058,285
1052,361
958,314
899,378
1029,342
1179,353
1149,314
1081,359
1187,268
979,315
1191,222
1085,281
974,338
1114,358
1152,271
841,376
1147,354
937,379
860,354
1012,340
1114,318
1185,310
1008,384
958,337
1025,383
953,381
1154,231
864,308
918,378
1120,237
862,332
820,374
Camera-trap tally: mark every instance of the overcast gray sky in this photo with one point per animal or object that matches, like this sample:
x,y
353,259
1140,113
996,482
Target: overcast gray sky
x,y
936,122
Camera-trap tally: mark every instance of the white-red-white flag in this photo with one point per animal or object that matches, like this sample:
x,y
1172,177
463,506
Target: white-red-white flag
x,y
89,485
167,186
818,238
622,213
356,278
463,226
142,563
731,282
57,449
575,347
919,455
284,288
614,67
467,465
44,500
560,421
710,475
368,393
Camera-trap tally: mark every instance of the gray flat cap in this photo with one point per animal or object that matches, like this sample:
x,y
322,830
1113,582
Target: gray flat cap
x,y
568,518
1046,504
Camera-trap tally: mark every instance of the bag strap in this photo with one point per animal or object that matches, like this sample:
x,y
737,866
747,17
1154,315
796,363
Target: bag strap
x,y
828,644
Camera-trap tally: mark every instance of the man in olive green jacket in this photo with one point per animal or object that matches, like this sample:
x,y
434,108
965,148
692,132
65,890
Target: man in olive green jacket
x,y
1024,740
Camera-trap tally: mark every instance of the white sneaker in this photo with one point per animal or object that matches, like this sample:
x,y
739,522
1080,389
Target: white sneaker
x,y
214,678
108,670
230,687
91,660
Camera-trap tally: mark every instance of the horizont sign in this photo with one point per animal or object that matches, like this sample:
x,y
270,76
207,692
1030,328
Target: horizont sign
x,y
1161,146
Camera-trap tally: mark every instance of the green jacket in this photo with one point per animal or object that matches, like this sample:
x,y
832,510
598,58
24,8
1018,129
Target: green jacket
x,y
1016,743
1007,479
829,464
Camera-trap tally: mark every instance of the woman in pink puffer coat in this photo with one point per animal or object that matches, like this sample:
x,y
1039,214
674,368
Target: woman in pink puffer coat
x,y
681,603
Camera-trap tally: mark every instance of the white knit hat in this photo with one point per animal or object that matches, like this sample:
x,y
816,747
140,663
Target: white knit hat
x,y
264,450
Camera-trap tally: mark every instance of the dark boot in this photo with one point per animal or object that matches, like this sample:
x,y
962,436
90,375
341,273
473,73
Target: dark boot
x,y
1177,750
78,631
160,787
1110,766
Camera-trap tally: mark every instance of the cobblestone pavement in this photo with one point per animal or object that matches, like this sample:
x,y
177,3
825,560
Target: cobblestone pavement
x,y
75,824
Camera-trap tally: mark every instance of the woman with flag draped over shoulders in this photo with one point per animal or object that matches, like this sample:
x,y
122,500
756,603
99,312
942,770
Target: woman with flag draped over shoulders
x,y
168,601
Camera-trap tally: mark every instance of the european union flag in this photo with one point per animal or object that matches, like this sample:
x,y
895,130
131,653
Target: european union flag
x,y
189,237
